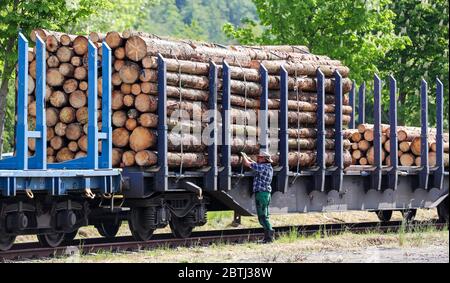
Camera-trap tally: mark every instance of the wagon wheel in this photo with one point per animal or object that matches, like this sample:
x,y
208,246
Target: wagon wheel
x,y
384,215
52,240
443,211
108,229
409,215
138,223
6,241
180,228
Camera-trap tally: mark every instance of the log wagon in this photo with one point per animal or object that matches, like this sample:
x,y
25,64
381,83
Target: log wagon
x,y
53,186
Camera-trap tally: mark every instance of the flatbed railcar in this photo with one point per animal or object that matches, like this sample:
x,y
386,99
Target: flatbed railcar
x,y
54,200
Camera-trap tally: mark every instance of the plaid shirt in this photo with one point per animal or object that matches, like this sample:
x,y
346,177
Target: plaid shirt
x,y
263,178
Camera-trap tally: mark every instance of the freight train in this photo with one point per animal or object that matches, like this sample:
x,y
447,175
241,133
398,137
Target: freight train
x,y
53,200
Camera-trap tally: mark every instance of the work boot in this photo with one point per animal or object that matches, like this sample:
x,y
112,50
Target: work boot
x,y
269,238
266,236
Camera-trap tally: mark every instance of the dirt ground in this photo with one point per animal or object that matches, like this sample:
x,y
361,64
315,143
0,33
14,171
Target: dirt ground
x,y
223,220
427,247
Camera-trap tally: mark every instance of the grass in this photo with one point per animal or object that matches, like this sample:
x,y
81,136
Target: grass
x,y
288,247
288,237
223,220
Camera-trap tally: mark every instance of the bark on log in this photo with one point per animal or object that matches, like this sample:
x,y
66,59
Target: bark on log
x,y
308,97
362,128
293,105
190,143
308,133
311,144
190,160
308,68
433,146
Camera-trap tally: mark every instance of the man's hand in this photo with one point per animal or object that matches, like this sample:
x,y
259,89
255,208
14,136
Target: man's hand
x,y
246,160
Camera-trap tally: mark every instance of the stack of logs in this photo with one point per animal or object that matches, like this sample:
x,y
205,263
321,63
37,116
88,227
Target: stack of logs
x,y
134,96
409,144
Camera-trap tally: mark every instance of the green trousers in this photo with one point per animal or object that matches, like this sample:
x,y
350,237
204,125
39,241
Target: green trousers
x,y
262,208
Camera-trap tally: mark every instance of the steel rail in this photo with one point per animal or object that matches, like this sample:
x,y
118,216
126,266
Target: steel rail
x,y
24,251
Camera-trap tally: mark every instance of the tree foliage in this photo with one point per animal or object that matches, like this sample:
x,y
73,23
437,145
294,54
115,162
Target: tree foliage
x,y
116,15
189,19
426,24
348,30
407,38
25,15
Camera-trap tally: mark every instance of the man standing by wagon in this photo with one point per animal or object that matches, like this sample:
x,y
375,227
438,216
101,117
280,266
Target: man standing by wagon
x,y
262,189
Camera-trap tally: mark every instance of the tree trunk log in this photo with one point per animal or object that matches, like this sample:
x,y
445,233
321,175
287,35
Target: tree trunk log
x,y
142,138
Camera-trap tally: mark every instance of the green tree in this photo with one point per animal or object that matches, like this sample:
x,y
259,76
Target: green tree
x,y
165,18
24,15
426,23
116,15
406,38
359,33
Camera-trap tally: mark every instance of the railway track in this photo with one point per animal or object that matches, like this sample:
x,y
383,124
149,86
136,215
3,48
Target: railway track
x,y
25,251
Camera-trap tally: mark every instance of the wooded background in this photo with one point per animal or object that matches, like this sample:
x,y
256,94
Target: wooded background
x,y
406,38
